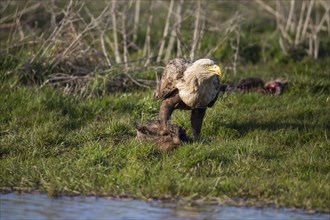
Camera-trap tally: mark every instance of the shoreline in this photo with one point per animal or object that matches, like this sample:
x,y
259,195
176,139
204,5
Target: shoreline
x,y
197,202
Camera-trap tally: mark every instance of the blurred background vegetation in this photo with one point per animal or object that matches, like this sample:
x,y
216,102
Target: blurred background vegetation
x,y
93,47
57,136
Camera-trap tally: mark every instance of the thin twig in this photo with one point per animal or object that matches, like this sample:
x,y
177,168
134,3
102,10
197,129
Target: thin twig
x,y
104,50
22,12
136,82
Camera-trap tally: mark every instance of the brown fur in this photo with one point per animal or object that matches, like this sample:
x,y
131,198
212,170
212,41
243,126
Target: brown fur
x,y
166,140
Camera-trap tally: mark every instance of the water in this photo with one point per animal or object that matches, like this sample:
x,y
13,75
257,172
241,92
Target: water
x,y
39,206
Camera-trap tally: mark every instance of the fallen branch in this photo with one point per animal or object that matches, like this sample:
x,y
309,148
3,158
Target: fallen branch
x,y
135,81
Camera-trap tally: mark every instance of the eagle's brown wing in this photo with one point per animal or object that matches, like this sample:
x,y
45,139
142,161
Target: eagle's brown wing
x,y
216,85
172,73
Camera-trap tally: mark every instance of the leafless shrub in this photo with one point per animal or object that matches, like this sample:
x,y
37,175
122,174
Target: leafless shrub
x,y
301,24
78,45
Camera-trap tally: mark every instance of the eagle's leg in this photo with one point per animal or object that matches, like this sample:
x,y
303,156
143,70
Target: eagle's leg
x,y
196,119
166,109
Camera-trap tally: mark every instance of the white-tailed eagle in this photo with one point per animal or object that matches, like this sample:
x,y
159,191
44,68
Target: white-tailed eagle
x,y
191,86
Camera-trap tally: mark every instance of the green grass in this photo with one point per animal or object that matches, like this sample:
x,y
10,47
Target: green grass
x,y
259,148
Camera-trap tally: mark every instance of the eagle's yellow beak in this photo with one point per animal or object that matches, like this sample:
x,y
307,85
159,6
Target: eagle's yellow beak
x,y
215,69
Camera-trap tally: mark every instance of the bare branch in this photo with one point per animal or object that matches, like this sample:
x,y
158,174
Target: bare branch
x,y
196,31
285,34
298,31
20,13
238,37
324,18
146,48
303,35
136,19
104,50
288,23
270,9
173,33
282,45
165,33
215,48
90,26
123,26
135,81
178,31
114,26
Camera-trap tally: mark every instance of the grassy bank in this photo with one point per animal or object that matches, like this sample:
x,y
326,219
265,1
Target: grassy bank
x,y
262,148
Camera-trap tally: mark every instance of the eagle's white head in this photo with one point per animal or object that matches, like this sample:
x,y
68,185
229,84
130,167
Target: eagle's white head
x,y
206,65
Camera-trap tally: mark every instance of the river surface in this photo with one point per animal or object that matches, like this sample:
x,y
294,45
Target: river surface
x,y
40,206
